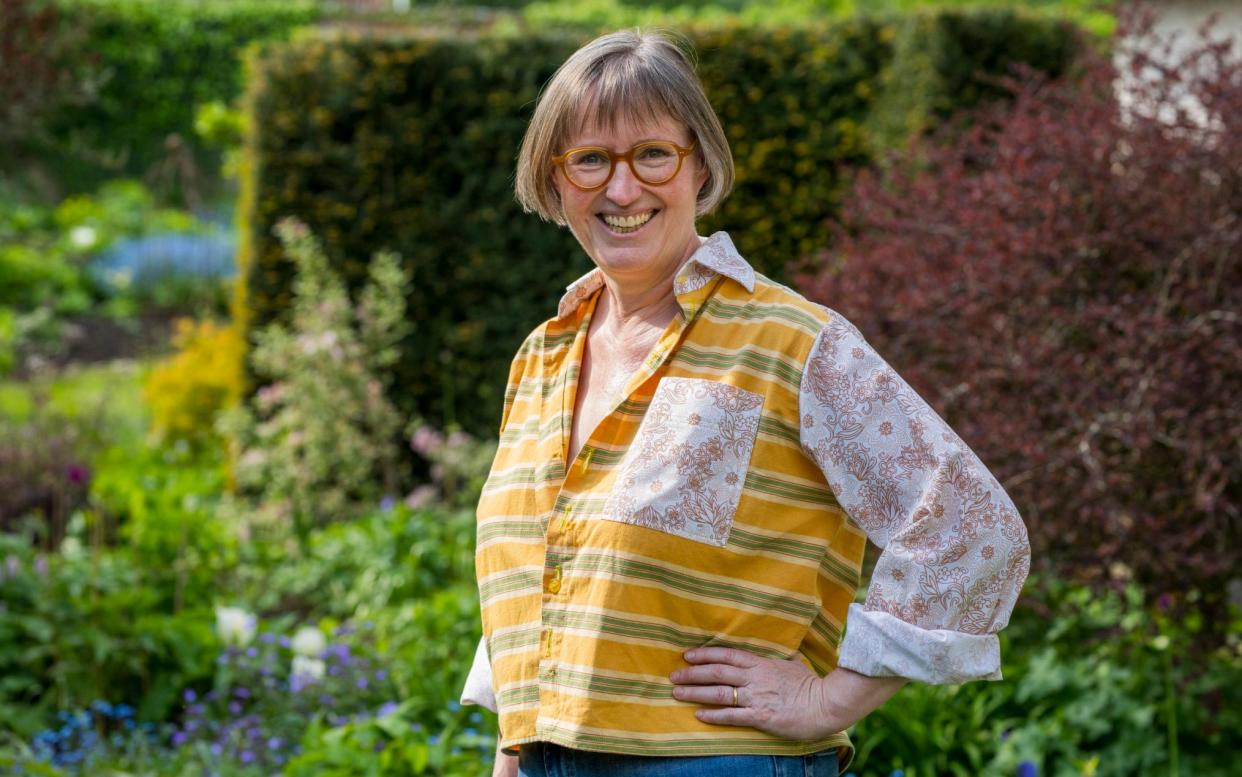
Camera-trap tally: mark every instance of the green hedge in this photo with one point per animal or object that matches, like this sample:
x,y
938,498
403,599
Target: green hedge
x,y
408,143
156,61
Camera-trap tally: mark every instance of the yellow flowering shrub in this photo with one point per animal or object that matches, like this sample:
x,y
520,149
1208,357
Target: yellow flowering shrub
x,y
188,389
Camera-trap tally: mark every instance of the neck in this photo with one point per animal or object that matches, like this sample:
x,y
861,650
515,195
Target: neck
x,y
631,301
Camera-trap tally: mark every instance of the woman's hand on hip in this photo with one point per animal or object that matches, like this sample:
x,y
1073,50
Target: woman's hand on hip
x,y
780,697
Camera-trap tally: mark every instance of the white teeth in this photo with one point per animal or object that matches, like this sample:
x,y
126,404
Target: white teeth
x,y
629,222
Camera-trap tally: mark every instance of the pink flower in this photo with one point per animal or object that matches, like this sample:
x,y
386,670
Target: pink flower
x,y
426,441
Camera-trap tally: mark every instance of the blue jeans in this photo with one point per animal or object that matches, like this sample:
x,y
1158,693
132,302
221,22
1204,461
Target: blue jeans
x,y
544,759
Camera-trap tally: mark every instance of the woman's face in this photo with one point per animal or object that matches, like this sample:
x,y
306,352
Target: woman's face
x,y
667,236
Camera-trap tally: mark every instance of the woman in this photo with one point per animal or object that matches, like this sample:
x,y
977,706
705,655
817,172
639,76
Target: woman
x,y
691,460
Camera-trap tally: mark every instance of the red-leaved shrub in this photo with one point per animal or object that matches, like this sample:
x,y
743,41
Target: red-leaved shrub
x,y
1063,281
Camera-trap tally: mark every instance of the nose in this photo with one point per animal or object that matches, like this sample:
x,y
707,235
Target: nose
x,y
624,188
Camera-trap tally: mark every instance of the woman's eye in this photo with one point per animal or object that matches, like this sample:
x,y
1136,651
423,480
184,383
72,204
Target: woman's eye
x,y
590,158
654,153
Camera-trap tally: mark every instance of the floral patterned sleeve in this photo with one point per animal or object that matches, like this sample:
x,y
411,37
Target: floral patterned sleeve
x,y
954,549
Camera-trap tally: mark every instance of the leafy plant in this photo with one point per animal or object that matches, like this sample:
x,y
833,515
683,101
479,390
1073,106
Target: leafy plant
x,y
77,627
1058,282
316,442
188,391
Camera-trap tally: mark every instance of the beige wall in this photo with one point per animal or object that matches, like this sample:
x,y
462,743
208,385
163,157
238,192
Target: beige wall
x,y
1183,18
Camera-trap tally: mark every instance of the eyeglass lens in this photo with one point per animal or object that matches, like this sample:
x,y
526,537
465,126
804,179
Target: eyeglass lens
x,y
653,163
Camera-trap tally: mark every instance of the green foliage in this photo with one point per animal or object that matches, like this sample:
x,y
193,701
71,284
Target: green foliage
x,y
318,440
408,144
938,58
49,272
358,568
1091,686
165,502
157,60
79,626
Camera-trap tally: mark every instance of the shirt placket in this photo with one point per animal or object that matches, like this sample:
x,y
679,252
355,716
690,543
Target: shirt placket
x,y
560,536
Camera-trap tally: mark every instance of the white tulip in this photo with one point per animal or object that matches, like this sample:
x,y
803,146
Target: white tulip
x,y
309,642
307,668
236,626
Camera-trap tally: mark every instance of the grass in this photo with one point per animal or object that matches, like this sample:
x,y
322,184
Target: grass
x,y
109,391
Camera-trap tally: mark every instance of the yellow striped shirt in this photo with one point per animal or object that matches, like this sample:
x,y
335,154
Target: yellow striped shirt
x,y
706,510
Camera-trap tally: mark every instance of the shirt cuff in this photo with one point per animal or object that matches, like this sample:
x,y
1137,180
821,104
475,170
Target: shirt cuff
x,y
877,644
478,689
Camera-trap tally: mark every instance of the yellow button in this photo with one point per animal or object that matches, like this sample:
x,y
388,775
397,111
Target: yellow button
x,y
554,585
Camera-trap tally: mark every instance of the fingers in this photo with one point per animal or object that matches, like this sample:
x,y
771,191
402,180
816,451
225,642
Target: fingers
x,y
727,716
712,674
720,655
720,695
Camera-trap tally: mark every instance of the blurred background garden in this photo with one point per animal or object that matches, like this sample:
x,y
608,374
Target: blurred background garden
x,y
262,273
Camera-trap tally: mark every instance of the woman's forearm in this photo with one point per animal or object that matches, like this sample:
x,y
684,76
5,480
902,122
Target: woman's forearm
x,y
848,697
506,765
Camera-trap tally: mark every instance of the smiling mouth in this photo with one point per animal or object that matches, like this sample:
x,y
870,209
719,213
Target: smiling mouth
x,y
626,224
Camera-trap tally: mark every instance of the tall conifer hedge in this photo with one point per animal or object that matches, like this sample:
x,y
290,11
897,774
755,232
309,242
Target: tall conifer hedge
x,y
408,142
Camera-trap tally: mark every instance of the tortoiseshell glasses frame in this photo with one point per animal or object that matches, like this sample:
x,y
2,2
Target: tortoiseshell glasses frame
x,y
628,157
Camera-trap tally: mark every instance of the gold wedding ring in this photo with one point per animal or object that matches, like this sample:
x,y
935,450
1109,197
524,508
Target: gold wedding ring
x,y
735,696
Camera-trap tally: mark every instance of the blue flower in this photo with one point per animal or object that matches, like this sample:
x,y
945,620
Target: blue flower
x,y
190,696
387,503
1027,769
454,706
897,773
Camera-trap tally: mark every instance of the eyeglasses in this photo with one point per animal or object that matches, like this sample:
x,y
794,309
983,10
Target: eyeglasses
x,y
591,167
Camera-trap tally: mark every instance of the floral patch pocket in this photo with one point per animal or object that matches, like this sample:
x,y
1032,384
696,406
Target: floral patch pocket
x,y
683,473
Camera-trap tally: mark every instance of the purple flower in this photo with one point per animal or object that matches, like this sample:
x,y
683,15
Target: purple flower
x,y
284,641
247,757
241,693
216,748
189,696
253,652
180,738
380,675
1164,602
12,565
40,566
77,474
274,743
387,503
235,708
361,683
1027,769
387,708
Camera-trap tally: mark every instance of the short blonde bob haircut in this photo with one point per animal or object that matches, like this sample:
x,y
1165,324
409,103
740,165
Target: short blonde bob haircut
x,y
618,77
